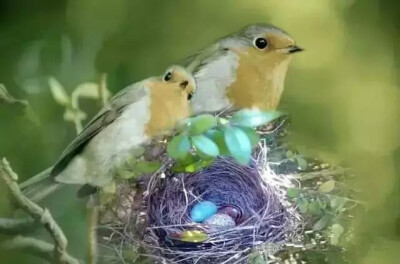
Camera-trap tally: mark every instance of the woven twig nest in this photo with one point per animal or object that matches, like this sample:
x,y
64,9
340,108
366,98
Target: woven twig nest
x,y
266,197
253,192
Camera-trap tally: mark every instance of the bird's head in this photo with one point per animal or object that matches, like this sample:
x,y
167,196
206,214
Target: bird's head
x,y
169,99
182,78
264,52
262,41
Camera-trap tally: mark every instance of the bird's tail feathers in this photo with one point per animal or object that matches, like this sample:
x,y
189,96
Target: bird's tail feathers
x,y
40,186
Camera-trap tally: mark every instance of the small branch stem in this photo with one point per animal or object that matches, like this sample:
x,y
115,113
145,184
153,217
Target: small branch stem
x,y
17,226
39,214
320,174
103,89
34,246
93,216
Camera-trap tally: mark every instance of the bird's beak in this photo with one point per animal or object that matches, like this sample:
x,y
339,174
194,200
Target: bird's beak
x,y
184,84
293,49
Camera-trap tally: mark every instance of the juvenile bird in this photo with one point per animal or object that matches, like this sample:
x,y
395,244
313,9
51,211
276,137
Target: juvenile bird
x,y
246,69
133,116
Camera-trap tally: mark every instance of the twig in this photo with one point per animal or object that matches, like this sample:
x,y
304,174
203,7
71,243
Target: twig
x,y
78,125
103,89
7,98
17,226
35,247
39,214
93,215
320,174
22,106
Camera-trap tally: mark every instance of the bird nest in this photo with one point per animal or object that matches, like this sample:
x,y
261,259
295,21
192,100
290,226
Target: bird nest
x,y
151,216
254,193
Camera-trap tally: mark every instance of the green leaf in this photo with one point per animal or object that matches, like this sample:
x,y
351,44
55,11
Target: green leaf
x,y
58,91
130,161
193,236
218,137
252,135
205,147
127,174
198,165
184,125
322,204
179,147
87,90
292,193
322,223
302,163
313,208
239,144
202,123
148,166
110,188
138,152
181,164
223,121
337,230
72,115
303,205
108,193
327,187
254,118
189,159
178,168
337,203
5,95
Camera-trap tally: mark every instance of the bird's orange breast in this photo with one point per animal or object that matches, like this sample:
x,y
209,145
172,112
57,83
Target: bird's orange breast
x,y
259,79
168,104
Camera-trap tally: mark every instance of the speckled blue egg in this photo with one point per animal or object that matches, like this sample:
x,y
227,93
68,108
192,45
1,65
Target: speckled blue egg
x,y
203,210
220,221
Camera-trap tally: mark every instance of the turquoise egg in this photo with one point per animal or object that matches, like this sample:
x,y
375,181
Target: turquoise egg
x,y
203,210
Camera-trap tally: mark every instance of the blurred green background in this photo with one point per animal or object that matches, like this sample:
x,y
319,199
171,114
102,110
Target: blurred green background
x,y
342,93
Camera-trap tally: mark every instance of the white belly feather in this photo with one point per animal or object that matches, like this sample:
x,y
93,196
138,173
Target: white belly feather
x,y
109,148
212,81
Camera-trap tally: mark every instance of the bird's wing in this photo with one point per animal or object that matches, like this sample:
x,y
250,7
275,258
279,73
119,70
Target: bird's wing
x,y
106,116
195,62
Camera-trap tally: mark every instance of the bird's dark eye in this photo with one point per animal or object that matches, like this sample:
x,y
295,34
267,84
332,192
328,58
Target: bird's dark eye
x,y
167,76
261,43
189,97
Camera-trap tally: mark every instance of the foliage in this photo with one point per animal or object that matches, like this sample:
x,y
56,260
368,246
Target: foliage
x,y
71,103
204,137
325,201
20,106
325,208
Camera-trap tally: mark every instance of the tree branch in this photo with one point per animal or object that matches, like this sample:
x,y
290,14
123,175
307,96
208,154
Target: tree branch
x,y
19,106
17,226
39,214
35,247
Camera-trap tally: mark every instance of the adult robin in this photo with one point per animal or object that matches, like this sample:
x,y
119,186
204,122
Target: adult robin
x,y
246,69
132,117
